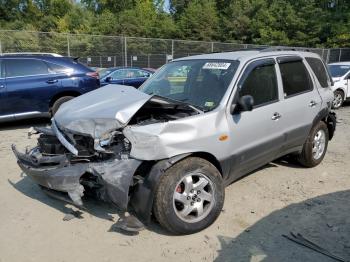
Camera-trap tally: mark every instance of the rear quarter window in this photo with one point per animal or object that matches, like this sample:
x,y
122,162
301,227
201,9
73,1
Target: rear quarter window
x,y
319,70
295,78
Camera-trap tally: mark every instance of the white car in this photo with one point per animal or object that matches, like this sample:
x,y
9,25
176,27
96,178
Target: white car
x,y
340,74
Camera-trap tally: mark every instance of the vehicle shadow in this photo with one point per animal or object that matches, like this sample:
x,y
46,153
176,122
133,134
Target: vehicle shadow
x,y
324,220
346,104
93,207
288,161
27,123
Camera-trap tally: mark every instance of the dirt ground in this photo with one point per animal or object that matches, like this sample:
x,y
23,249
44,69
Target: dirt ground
x,y
279,198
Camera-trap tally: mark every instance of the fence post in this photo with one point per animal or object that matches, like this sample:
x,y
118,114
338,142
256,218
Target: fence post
x,y
0,47
212,47
115,61
339,55
172,48
148,61
328,54
68,48
125,51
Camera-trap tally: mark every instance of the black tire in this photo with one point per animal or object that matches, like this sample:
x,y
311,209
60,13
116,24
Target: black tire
x,y
338,99
164,207
306,157
56,105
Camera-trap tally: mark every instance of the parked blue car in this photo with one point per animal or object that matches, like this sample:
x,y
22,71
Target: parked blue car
x,y
129,76
35,85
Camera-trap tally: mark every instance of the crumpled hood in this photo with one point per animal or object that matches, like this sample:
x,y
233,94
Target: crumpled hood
x,y
100,111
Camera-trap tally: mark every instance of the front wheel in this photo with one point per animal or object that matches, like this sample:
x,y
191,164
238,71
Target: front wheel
x,y
338,99
189,197
315,147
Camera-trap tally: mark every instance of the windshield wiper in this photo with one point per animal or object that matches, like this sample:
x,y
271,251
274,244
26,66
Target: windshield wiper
x,y
197,107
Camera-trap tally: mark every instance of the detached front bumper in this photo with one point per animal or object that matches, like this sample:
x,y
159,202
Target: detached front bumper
x,y
58,173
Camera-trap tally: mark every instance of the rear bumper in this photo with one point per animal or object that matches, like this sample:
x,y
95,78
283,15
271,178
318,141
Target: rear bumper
x,y
57,173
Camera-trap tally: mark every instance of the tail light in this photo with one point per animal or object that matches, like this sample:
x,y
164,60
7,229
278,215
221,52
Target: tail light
x,y
93,75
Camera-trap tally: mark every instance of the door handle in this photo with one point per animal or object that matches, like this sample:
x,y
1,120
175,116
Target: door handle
x,y
2,86
52,81
276,116
312,103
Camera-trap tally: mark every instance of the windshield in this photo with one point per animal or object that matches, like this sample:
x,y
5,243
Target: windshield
x,y
201,83
339,70
104,72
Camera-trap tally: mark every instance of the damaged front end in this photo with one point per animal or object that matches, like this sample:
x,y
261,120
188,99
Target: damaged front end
x,y
85,151
107,176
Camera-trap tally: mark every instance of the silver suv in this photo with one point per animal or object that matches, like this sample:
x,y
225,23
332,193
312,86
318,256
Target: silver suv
x,y
197,125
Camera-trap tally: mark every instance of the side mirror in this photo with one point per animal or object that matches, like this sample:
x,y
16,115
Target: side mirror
x,y
108,79
245,103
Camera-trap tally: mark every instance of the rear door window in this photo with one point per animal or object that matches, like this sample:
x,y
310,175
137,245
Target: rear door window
x,y
141,73
319,70
2,73
119,74
25,67
295,77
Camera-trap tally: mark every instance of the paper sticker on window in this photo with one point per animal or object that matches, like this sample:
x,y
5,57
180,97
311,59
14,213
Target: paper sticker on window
x,y
216,65
209,104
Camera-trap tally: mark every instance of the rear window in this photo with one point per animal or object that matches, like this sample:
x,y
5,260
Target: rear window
x,y
295,78
25,67
319,70
338,70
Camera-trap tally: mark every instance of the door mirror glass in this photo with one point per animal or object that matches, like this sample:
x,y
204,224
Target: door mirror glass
x,y
108,79
244,103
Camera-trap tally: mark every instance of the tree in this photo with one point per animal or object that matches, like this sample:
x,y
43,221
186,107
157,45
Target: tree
x,y
199,21
113,6
145,20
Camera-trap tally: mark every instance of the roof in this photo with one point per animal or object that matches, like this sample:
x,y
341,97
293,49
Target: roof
x,y
126,67
341,63
247,55
30,54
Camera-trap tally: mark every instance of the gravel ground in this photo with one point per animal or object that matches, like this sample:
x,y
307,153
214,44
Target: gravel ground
x,y
278,198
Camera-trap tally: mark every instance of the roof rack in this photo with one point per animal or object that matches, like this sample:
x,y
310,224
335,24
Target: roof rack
x,y
285,48
31,53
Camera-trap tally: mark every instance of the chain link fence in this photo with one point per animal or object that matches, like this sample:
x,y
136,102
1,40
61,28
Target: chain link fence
x,y
109,51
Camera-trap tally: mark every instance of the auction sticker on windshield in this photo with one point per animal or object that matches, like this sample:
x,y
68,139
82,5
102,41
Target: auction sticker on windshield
x,y
216,65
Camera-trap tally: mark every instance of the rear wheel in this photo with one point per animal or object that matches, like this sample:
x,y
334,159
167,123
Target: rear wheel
x,y
189,197
56,105
315,147
338,99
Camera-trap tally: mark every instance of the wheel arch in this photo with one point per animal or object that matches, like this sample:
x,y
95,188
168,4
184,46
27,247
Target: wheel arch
x,y
341,89
329,118
62,94
142,197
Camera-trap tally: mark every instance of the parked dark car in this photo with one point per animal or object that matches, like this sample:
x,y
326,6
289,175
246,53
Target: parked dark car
x,y
36,85
129,76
